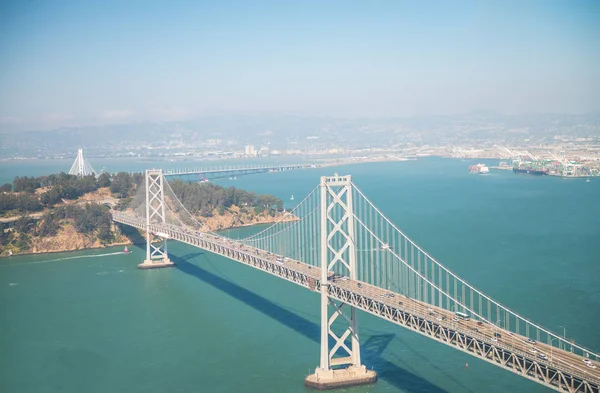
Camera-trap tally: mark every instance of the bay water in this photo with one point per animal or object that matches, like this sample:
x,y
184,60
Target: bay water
x,y
90,321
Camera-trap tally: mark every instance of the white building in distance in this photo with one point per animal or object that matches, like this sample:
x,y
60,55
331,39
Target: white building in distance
x,y
250,151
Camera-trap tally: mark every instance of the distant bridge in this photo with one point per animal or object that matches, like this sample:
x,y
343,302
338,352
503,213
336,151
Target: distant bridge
x,y
338,244
227,171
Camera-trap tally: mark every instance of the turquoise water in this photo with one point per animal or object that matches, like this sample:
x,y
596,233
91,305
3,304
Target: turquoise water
x,y
90,321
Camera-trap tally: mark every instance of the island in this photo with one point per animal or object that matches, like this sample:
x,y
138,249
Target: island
x,y
63,212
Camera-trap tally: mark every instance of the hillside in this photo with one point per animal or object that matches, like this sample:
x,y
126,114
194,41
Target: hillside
x,y
66,213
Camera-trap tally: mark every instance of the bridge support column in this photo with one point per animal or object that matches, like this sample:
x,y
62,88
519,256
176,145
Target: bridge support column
x,y
340,366
156,255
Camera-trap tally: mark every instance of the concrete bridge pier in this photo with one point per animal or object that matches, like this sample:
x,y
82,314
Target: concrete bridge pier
x,y
333,379
156,255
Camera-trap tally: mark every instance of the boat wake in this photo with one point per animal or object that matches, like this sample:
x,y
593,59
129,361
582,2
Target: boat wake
x,y
65,259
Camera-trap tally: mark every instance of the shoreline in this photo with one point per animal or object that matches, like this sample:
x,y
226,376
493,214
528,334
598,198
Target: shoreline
x,y
64,251
142,240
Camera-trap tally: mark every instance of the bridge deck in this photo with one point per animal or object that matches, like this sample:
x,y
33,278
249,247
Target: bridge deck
x,y
562,370
237,170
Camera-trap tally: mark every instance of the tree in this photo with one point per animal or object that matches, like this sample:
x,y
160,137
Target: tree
x,y
51,197
269,202
91,218
104,180
24,224
26,184
104,232
205,198
49,225
7,187
3,235
121,183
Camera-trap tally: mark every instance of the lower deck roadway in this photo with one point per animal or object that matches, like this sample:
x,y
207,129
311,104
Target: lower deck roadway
x,y
562,371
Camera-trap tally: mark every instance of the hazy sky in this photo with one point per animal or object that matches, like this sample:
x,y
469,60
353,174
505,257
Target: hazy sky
x,y
90,62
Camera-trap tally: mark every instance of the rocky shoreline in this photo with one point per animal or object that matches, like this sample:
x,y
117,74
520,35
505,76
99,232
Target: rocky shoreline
x,y
68,239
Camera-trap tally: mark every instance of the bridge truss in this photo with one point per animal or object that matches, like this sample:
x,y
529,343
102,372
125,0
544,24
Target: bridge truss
x,y
375,267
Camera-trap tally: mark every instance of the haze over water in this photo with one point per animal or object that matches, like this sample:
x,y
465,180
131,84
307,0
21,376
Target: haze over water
x,y
91,321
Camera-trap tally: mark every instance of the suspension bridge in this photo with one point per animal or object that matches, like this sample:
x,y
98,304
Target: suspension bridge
x,y
338,244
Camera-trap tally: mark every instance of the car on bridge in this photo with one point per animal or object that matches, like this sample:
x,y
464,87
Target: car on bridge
x,y
589,363
530,341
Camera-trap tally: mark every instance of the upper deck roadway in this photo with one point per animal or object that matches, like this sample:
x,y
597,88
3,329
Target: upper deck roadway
x,y
236,170
556,368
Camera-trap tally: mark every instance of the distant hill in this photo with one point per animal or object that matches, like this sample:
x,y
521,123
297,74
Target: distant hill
x,y
232,132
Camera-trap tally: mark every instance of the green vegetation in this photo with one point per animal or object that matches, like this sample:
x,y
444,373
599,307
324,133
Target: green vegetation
x,y
90,219
36,208
44,205
124,184
29,194
18,203
205,198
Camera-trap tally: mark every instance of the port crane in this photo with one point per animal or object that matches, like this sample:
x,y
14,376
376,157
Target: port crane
x,y
510,154
566,166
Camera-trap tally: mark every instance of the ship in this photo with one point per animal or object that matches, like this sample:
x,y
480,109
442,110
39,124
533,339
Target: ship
x,y
479,168
531,171
530,168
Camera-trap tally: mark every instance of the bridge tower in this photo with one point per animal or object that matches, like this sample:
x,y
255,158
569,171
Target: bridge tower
x,y
81,166
340,365
156,213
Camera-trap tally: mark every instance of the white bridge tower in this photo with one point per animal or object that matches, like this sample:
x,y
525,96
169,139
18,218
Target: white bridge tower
x,y
156,215
340,365
81,167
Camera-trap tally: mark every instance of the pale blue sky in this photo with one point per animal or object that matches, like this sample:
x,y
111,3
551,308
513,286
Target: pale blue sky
x,y
92,62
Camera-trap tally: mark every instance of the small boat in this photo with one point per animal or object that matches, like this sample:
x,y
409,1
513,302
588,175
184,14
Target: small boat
x,y
292,198
126,250
587,180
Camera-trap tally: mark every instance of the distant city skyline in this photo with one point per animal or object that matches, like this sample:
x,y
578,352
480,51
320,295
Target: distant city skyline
x,y
71,63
